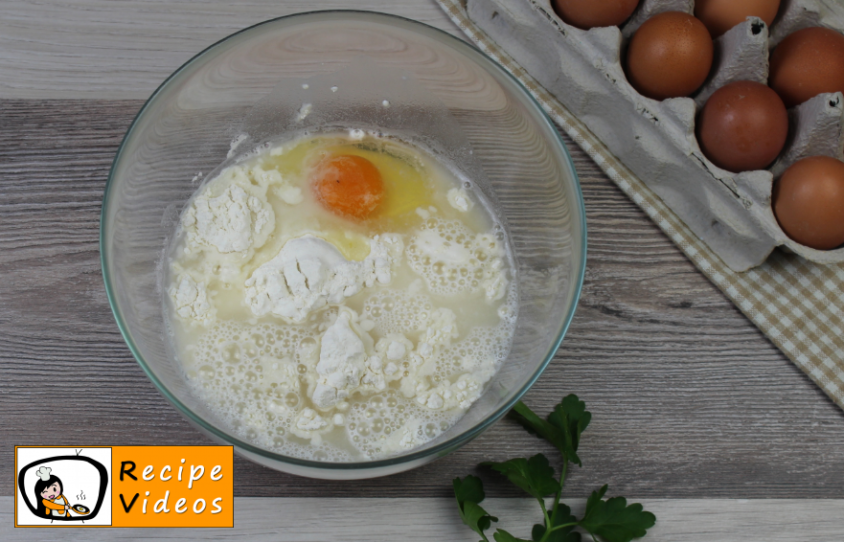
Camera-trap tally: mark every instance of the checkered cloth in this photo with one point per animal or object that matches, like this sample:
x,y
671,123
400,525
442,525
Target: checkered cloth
x,y
796,303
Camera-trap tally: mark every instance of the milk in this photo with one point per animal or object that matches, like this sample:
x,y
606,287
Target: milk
x,y
430,339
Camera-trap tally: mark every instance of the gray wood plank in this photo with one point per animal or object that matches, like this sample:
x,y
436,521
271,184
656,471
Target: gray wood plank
x,y
367,520
101,49
688,398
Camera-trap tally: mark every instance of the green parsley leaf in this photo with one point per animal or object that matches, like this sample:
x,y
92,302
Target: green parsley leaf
x,y
469,489
566,534
563,427
476,518
503,536
613,520
571,418
469,492
535,425
534,475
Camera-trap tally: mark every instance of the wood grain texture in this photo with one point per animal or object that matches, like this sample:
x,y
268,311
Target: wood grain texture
x,y
688,398
101,49
425,520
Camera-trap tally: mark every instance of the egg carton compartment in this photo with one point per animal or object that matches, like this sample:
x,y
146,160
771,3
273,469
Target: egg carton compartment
x,y
730,212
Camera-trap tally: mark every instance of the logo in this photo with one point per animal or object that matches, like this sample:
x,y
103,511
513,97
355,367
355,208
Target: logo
x,y
63,486
124,486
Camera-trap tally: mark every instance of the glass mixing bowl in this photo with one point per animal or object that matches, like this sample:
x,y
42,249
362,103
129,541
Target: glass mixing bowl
x,y
449,97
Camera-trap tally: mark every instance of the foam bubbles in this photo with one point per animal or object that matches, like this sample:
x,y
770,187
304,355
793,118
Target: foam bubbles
x,y
389,423
250,377
452,259
397,311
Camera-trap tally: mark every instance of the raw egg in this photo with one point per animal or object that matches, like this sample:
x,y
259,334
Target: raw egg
x,y
588,14
809,202
670,55
721,15
348,185
807,63
743,126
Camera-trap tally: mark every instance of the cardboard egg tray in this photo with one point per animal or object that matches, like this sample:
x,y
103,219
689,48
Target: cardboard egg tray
x,y
730,212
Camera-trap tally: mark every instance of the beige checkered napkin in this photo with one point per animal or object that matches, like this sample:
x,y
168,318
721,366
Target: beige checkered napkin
x,y
796,303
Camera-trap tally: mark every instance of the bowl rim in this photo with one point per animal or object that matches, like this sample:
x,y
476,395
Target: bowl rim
x,y
447,446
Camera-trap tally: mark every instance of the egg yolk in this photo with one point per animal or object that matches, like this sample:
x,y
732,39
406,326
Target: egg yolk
x,y
348,185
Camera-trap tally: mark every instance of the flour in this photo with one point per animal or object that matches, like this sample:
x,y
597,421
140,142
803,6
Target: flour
x,y
191,300
396,350
303,112
234,221
460,394
310,273
440,327
235,143
452,259
310,421
384,254
342,362
460,200
306,275
281,187
291,195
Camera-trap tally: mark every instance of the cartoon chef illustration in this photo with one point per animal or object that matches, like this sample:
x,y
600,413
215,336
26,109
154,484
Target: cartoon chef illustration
x,y
48,494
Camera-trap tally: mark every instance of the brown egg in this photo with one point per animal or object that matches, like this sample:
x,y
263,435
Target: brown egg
x,y
743,126
807,63
721,15
670,55
809,202
588,14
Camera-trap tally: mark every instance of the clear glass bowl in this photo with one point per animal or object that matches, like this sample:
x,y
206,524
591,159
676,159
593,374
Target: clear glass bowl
x,y
501,137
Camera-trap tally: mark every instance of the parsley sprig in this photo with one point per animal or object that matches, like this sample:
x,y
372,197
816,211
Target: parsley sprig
x,y
611,520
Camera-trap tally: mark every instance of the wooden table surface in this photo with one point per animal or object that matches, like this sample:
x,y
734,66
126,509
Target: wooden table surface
x,y
692,406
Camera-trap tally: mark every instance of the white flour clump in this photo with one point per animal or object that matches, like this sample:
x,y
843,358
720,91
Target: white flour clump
x,y
309,420
191,300
282,188
460,200
236,220
310,273
342,361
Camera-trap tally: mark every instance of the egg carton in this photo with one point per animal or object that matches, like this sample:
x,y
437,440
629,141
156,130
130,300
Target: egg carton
x,y
730,212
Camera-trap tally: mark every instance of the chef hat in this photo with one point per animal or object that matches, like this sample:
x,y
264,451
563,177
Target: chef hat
x,y
44,473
